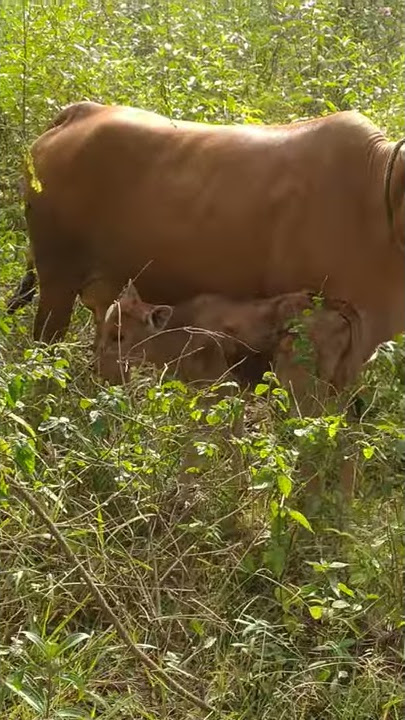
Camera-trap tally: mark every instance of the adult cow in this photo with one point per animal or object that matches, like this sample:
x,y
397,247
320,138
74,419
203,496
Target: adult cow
x,y
244,211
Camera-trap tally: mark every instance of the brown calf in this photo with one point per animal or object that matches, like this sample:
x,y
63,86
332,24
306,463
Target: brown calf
x,y
209,336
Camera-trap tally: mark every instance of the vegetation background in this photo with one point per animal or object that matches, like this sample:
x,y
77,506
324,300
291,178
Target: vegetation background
x,y
236,593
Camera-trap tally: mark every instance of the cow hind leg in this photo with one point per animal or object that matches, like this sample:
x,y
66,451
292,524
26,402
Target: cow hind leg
x,y
60,264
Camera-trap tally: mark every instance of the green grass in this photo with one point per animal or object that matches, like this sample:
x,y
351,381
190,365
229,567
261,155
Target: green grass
x,y
259,602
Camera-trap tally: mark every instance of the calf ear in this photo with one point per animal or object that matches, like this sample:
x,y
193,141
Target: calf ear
x,y
130,292
109,312
159,317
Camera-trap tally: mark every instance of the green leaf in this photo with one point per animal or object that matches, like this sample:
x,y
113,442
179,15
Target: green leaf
x,y
196,415
15,389
213,418
72,640
271,377
274,558
24,455
284,485
20,421
333,428
29,695
261,389
340,604
264,478
274,508
70,713
301,519
316,611
36,640
4,489
197,627
324,675
369,451
331,106
344,589
5,448
4,326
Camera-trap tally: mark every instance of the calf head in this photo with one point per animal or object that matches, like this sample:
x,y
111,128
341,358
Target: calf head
x,y
128,325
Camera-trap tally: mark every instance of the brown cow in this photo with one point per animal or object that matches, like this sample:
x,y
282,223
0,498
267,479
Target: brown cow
x,y
210,336
244,211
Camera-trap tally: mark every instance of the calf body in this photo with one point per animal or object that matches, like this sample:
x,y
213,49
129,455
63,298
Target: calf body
x,y
211,336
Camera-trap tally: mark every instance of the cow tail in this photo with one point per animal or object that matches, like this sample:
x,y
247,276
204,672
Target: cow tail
x,y
354,358
387,182
26,289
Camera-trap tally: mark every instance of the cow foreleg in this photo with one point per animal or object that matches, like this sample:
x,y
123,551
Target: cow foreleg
x,y
97,295
54,311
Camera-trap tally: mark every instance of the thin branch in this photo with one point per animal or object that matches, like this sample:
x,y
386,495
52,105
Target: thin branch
x,y
24,73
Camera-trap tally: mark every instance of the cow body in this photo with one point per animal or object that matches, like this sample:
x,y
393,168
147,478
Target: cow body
x,y
188,208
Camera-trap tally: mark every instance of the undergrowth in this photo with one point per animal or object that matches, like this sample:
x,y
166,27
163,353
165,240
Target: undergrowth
x,y
222,577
